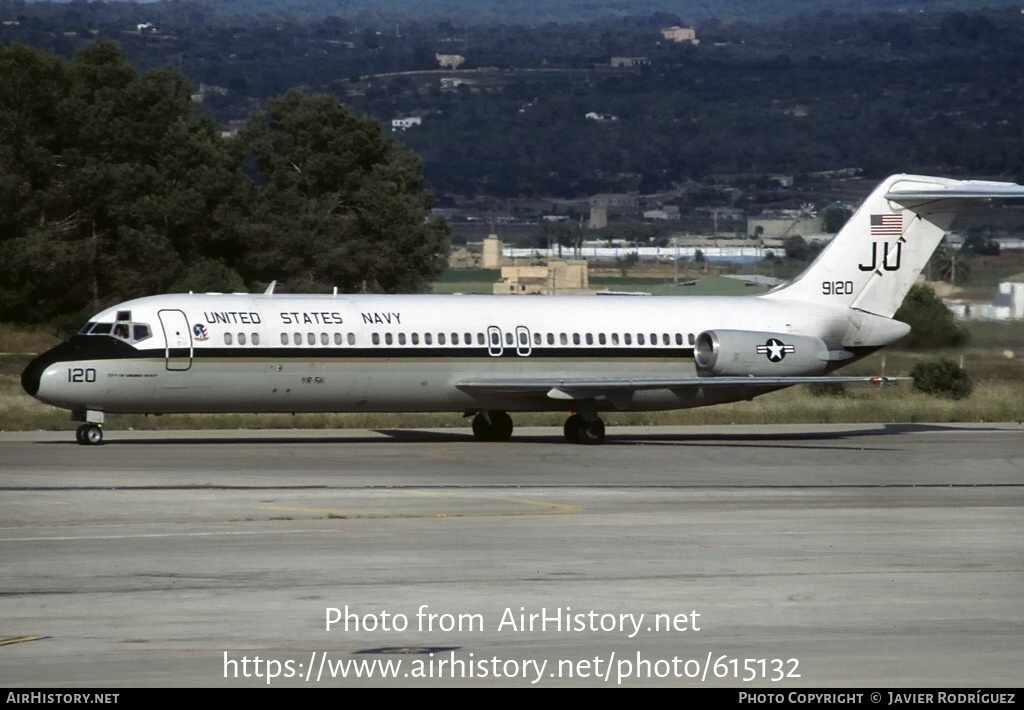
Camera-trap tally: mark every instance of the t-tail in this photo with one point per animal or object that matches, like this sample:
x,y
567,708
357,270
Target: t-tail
x,y
875,258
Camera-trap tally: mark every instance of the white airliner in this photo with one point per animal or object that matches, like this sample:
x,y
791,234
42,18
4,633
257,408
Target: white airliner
x,y
489,355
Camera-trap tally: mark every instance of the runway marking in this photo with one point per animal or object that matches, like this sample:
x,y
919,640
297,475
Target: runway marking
x,y
19,639
537,507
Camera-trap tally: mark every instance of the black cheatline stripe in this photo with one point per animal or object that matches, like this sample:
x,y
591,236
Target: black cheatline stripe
x,y
414,352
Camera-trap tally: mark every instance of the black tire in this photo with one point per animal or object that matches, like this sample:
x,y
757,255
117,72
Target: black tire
x,y
92,435
80,434
572,428
591,433
501,423
499,428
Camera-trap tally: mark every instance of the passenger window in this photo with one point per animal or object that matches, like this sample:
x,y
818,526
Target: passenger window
x,y
679,338
227,338
480,339
325,339
241,338
536,339
654,338
615,338
455,338
627,338
639,338
665,339
601,338
401,338
388,339
284,338
311,338
375,338
551,338
495,340
563,339
524,339
575,338
428,338
255,340
508,339
297,338
690,339
469,338
351,338
590,338
415,338
337,339
440,338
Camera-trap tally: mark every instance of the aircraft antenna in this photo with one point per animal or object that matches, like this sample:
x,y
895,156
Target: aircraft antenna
x,y
270,288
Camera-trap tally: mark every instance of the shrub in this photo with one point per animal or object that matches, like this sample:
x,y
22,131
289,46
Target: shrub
x,y
942,378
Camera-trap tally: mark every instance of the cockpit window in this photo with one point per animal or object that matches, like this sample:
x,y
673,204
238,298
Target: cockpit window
x,y
132,332
140,331
100,329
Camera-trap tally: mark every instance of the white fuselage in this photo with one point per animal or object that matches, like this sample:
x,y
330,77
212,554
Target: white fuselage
x,y
344,353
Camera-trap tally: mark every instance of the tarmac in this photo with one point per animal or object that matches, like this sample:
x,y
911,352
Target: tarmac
x,y
864,556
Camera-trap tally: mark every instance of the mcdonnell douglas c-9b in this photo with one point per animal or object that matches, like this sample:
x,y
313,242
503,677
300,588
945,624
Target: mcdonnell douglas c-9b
x,y
489,355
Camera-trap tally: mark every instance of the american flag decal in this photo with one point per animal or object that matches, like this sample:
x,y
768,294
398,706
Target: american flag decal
x,y
886,225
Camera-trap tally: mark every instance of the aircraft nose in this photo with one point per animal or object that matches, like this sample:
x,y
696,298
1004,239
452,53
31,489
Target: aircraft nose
x,y
32,374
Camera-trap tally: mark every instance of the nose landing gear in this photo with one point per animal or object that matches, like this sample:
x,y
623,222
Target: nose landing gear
x,y
89,434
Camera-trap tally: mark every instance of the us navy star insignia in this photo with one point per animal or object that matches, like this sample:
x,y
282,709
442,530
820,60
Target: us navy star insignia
x,y
775,349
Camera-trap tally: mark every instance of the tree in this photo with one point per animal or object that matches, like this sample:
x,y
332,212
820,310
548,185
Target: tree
x,y
111,184
834,217
337,202
950,264
932,324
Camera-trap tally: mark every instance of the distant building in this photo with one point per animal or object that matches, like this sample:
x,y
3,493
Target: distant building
x,y
619,62
601,117
449,61
402,124
680,34
558,277
1007,303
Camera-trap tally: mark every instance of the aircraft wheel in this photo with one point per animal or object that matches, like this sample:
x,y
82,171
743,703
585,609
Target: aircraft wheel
x,y
492,426
579,431
572,428
591,433
89,434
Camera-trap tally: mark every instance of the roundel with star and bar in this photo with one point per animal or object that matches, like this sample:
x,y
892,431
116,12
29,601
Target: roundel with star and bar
x,y
775,349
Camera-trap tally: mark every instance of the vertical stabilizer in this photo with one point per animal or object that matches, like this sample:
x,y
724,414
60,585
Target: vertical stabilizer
x,y
875,258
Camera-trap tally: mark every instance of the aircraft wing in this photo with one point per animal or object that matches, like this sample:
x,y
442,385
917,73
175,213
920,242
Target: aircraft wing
x,y
571,389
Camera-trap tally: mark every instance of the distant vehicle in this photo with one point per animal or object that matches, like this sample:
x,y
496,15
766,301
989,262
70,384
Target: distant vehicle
x,y
490,355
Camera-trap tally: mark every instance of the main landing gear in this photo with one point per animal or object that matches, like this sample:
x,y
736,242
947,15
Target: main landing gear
x,y
492,426
89,434
579,429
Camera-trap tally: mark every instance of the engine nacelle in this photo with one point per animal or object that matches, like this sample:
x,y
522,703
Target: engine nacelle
x,y
738,353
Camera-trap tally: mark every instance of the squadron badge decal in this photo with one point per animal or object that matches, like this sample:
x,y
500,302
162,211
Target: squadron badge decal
x,y
200,332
